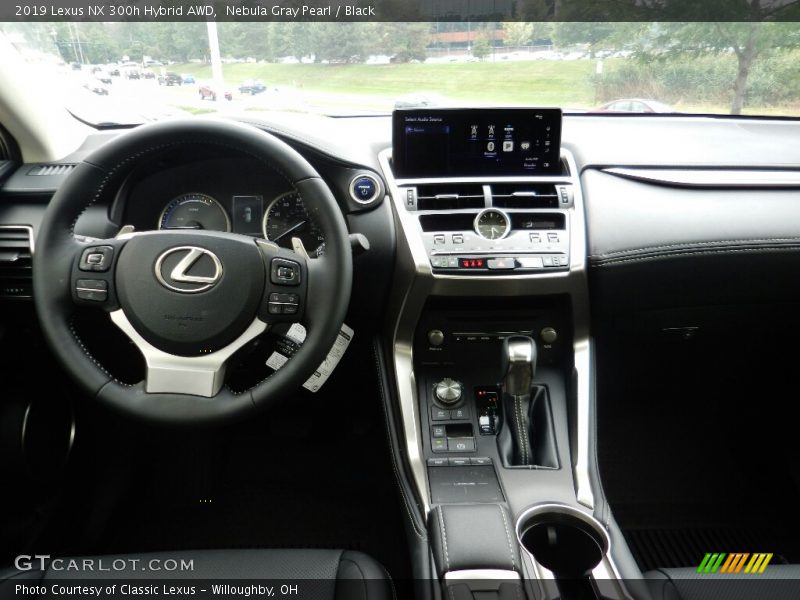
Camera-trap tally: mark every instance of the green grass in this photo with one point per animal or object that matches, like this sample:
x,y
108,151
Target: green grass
x,y
196,111
561,83
534,83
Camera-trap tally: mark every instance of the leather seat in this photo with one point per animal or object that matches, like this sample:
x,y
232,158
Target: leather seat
x,y
777,582
318,574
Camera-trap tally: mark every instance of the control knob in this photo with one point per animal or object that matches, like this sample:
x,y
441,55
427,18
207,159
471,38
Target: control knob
x,y
549,335
435,337
448,391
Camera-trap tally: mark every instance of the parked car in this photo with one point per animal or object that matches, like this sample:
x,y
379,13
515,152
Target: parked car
x,y
252,87
634,105
170,78
208,92
420,100
114,72
103,77
147,74
96,86
132,74
187,78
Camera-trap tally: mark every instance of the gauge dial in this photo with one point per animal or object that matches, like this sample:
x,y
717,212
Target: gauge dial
x,y
492,224
194,211
286,217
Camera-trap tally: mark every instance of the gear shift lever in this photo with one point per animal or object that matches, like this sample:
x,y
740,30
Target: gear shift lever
x,y
519,368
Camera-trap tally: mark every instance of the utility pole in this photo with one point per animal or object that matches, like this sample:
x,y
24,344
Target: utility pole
x,y
216,60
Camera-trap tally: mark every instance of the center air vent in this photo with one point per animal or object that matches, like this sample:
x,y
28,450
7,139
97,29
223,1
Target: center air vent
x,y
450,196
524,195
16,248
50,170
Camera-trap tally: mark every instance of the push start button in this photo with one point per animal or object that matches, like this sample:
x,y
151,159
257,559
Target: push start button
x,y
364,189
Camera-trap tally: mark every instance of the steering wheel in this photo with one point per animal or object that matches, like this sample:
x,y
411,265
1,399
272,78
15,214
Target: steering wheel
x,y
188,299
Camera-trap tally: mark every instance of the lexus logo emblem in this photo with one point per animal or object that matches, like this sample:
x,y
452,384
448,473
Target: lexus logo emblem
x,y
188,269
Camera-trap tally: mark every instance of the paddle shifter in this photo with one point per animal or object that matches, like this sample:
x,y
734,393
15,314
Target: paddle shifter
x,y
519,368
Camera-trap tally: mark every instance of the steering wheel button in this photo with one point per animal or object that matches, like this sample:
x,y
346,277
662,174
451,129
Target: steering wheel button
x,y
95,290
96,258
284,272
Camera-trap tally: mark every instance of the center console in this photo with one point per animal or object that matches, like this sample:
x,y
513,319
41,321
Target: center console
x,y
491,354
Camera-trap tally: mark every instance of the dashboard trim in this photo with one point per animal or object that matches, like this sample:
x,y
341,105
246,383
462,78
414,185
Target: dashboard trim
x,y
712,178
415,281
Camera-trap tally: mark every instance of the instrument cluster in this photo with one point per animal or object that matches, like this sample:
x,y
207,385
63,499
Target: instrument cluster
x,y
221,195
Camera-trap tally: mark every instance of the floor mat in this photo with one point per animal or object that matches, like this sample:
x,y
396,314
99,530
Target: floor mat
x,y
675,548
696,454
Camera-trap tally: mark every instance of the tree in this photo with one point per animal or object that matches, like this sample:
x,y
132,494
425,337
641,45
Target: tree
x,y
403,41
749,42
589,34
517,34
481,49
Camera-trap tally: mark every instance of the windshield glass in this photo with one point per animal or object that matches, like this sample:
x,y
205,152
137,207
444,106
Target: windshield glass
x,y
131,72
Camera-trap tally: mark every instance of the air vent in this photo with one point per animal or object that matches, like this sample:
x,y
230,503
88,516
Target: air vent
x,y
16,247
524,195
449,196
50,170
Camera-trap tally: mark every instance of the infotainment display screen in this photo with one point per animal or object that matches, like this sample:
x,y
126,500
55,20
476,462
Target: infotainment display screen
x,y
445,142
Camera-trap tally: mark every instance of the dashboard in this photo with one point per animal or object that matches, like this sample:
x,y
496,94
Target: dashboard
x,y
633,228
706,181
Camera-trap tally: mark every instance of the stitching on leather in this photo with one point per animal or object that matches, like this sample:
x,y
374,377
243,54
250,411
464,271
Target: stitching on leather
x,y
360,572
696,245
444,538
418,532
613,262
600,260
525,431
518,414
391,583
92,358
508,537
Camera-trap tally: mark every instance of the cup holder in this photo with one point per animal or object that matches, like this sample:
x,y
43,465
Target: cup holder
x,y
568,543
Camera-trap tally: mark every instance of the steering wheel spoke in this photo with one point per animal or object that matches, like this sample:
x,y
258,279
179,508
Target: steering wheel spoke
x,y
285,285
174,374
92,276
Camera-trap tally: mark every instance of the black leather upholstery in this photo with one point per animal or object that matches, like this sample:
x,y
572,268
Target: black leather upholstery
x,y
473,536
319,574
777,582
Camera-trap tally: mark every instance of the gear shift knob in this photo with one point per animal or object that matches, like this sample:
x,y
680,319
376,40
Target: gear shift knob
x,y
519,364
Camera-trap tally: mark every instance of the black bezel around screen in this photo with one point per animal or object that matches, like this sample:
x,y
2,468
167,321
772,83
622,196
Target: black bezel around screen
x,y
447,142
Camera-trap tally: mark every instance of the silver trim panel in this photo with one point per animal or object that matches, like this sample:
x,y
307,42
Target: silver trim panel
x,y
415,281
172,374
482,575
716,178
27,228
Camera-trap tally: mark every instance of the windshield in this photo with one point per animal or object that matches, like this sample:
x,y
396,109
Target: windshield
x,y
131,72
